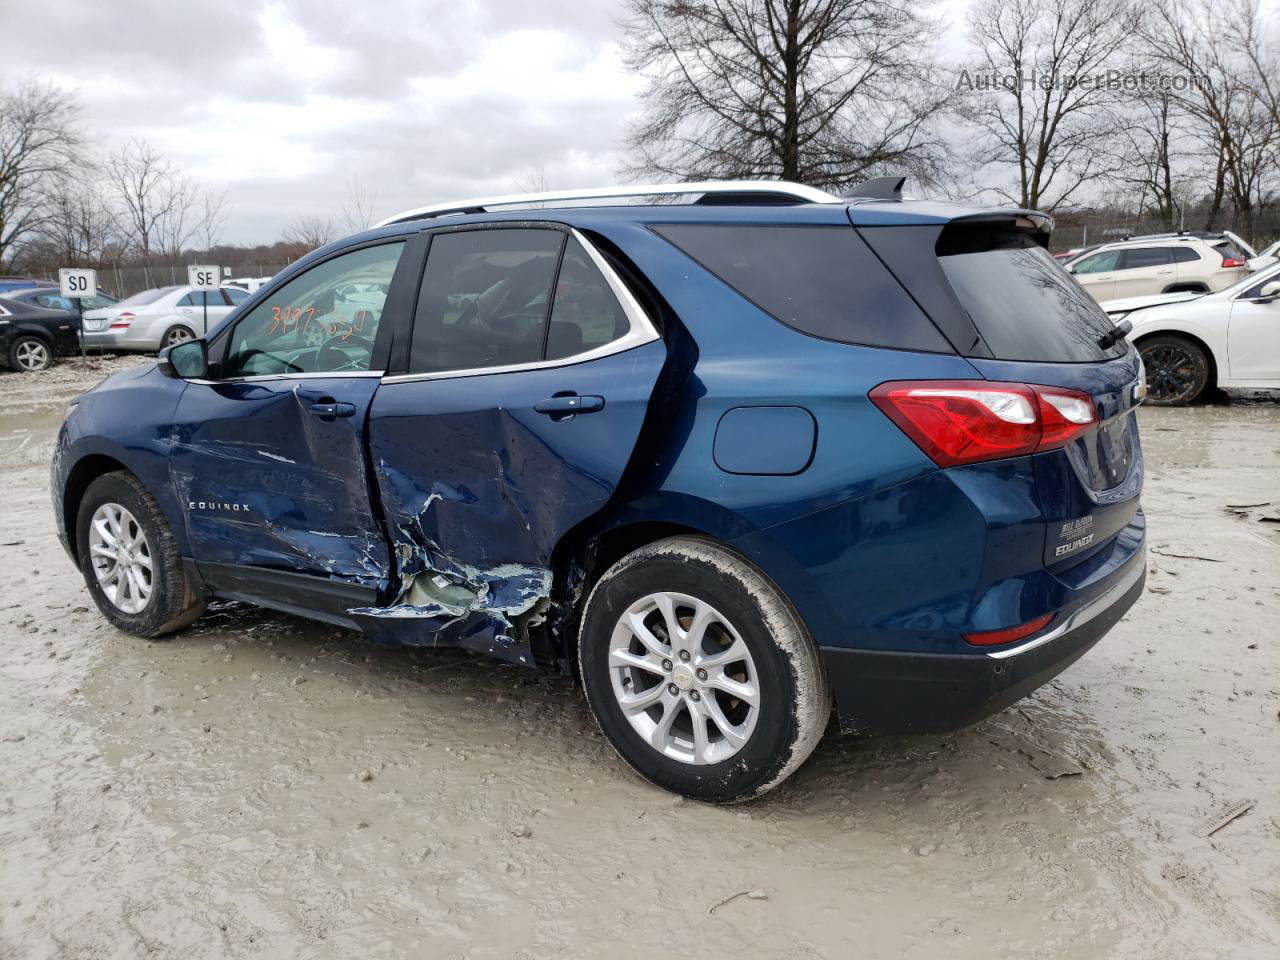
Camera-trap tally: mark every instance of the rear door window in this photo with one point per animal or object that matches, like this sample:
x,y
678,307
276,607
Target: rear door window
x,y
823,281
1139,257
1185,255
1024,305
485,298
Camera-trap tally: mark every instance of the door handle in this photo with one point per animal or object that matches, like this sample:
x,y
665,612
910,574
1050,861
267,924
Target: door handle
x,y
569,404
332,409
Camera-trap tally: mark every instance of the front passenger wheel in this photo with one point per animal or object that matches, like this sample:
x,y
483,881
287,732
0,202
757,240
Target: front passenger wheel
x,y
130,560
699,673
1177,370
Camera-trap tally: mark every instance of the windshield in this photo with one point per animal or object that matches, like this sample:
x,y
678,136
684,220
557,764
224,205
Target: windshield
x,y
145,297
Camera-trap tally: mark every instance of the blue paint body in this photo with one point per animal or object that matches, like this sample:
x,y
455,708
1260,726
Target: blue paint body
x,y
733,425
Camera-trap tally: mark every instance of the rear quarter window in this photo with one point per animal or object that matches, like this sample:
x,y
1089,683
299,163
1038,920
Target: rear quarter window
x,y
823,281
1025,306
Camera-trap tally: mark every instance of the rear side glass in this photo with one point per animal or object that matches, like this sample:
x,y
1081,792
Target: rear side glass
x,y
484,299
823,281
1024,305
1140,257
1185,255
586,315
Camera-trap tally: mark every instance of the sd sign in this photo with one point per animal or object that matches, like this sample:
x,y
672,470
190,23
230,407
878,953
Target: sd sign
x,y
77,283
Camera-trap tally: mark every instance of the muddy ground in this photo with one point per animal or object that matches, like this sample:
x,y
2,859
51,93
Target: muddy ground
x,y
262,786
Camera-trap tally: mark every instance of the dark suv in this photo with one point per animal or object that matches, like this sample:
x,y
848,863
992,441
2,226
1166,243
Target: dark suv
x,y
726,458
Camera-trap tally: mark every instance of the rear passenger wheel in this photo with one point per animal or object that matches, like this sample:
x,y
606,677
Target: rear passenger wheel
x,y
130,560
177,335
1177,370
699,672
30,354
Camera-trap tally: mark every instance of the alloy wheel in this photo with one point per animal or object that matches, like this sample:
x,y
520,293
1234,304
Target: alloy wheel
x,y
177,336
1171,372
121,558
684,678
31,355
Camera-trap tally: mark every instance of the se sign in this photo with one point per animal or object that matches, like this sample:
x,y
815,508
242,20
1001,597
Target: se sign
x,y
204,277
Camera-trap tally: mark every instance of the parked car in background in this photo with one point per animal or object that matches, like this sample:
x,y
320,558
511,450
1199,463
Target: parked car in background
x,y
157,318
250,284
50,297
18,283
1146,266
1265,257
1191,343
32,336
727,460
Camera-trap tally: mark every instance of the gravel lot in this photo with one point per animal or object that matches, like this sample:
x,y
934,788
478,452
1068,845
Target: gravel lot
x,y
262,786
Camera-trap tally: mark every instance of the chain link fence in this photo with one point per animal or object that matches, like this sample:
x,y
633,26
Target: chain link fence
x,y
126,281
1073,231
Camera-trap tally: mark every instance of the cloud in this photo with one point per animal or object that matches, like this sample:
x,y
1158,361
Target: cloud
x,y
284,103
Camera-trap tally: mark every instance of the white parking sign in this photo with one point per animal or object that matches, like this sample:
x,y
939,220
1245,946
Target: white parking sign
x,y
77,283
204,277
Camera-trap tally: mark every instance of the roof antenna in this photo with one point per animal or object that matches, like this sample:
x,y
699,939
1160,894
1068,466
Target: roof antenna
x,y
879,188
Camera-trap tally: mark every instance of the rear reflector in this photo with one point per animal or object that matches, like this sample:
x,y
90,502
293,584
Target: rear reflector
x,y
967,421
993,638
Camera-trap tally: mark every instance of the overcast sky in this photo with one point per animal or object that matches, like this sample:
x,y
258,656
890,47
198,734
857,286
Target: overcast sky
x,y
283,103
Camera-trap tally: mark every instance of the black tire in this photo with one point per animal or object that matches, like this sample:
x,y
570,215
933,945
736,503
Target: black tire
x,y
794,697
1177,370
174,602
30,354
177,334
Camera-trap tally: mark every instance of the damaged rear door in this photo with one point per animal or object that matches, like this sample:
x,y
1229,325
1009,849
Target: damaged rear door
x,y
529,376
269,454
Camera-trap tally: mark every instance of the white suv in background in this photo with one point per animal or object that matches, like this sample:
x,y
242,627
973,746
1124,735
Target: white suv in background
x,y
1154,265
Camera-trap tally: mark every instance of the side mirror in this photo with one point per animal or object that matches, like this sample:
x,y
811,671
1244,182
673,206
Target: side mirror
x,y
185,361
1270,290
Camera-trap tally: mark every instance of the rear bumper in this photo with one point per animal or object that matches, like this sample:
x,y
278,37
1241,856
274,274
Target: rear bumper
x,y
879,691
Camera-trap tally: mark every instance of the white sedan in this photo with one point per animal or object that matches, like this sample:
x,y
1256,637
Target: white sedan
x,y
159,318
1192,342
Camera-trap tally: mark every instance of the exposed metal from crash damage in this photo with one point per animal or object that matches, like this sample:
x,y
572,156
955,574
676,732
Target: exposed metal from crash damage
x,y
444,602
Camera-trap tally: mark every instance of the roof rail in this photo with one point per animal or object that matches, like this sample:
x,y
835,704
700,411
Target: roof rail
x,y
749,192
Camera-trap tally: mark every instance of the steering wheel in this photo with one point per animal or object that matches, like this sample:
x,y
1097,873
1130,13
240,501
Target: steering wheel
x,y
334,345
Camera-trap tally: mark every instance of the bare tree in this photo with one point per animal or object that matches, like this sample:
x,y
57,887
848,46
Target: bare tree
x,y
156,203
819,91
212,217
1232,124
39,144
1148,154
357,208
1034,115
78,226
310,232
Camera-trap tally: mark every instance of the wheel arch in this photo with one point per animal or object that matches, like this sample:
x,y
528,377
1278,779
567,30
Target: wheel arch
x,y
86,470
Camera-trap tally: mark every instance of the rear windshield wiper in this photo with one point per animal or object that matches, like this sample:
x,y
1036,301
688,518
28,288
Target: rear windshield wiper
x,y
1112,337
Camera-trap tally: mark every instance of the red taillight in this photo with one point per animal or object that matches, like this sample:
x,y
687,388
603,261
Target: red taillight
x,y
1232,262
121,321
966,421
993,638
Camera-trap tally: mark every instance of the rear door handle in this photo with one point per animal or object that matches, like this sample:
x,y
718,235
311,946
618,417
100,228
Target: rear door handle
x,y
331,409
569,405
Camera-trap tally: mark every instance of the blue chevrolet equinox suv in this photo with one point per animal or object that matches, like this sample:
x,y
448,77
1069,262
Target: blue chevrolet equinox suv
x,y
728,454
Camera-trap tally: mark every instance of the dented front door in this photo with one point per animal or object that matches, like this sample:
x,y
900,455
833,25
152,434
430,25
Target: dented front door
x,y
272,474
